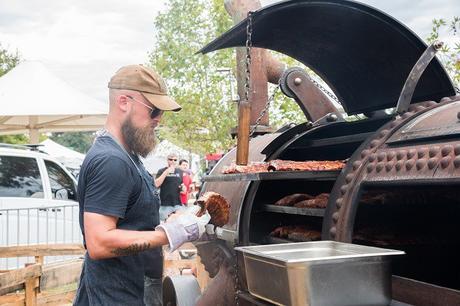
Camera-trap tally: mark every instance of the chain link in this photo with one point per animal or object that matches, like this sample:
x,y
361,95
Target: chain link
x,y
236,287
247,84
264,110
324,90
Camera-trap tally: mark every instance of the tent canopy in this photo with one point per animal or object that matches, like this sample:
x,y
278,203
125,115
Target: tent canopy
x,y
34,100
68,157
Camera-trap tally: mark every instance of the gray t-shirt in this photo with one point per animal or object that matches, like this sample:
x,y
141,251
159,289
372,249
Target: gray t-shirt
x,y
110,184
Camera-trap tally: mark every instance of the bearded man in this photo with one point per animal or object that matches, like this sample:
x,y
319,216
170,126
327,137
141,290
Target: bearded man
x,y
119,216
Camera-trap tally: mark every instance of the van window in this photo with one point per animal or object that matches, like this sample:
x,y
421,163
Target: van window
x,y
62,186
20,177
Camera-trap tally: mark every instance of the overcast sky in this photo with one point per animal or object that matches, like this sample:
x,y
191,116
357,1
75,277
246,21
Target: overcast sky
x,y
85,41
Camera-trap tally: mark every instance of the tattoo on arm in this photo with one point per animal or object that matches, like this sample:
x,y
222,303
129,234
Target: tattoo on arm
x,y
132,249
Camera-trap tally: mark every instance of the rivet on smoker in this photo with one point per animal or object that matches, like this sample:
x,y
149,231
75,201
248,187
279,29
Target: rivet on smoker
x,y
432,162
297,81
457,162
445,162
389,165
409,164
420,164
331,117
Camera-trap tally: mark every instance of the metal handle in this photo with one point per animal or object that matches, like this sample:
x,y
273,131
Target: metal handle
x,y
414,76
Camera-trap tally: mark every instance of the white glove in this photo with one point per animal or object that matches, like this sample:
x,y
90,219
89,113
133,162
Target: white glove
x,y
185,227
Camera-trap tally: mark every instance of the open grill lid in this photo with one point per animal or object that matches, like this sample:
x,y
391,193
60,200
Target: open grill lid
x,y
363,54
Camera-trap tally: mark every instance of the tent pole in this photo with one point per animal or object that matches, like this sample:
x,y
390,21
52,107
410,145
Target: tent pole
x,y
33,132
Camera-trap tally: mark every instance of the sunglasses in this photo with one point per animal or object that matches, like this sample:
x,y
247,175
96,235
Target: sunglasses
x,y
172,159
154,112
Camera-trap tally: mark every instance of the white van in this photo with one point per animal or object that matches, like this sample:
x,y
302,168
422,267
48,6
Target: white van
x,y
38,199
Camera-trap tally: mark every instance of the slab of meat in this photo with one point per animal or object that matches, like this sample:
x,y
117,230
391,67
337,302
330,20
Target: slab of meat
x,y
252,167
296,233
217,206
292,199
312,165
307,235
320,201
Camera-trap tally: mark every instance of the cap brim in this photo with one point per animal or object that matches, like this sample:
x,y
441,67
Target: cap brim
x,y
165,103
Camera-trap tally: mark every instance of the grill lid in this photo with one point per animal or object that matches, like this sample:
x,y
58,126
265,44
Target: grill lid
x,y
363,54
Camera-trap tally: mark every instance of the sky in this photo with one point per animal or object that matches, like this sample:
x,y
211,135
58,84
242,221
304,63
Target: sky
x,y
84,42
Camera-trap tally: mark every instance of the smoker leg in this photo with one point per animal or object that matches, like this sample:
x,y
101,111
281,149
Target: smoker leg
x,y
220,291
180,290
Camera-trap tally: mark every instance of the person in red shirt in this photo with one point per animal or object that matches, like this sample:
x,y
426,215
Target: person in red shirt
x,y
186,180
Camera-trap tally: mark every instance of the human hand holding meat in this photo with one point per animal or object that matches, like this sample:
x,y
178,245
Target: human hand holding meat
x,y
217,207
184,226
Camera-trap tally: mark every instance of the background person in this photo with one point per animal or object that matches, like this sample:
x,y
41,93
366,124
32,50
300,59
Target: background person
x,y
169,180
186,180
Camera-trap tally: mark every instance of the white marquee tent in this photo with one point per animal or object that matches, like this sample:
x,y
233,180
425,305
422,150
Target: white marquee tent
x,y
34,100
68,157
157,159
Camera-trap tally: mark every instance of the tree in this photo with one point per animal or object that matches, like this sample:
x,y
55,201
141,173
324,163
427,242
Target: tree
x,y
204,123
449,53
7,62
78,141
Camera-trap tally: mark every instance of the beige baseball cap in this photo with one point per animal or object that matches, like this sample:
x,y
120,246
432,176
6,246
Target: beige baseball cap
x,y
146,81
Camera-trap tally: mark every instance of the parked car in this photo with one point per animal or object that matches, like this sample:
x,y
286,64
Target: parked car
x,y
38,199
30,178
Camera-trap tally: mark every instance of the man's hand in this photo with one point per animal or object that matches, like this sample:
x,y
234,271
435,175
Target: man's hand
x,y
184,227
170,170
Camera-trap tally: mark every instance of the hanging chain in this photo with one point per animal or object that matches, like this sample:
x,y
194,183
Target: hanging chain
x,y
262,113
324,90
247,87
236,287
247,84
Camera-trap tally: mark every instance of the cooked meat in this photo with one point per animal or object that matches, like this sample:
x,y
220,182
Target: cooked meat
x,y
296,233
307,235
312,165
292,199
320,201
217,206
252,167
285,165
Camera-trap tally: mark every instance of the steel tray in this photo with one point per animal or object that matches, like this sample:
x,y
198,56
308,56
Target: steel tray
x,y
319,273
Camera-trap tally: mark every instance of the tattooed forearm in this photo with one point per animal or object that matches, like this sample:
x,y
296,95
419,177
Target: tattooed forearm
x,y
132,249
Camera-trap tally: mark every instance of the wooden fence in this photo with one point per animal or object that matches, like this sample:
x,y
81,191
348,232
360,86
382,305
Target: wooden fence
x,y
35,276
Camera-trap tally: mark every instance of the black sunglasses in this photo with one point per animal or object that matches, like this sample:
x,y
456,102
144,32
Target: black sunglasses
x,y
172,159
154,112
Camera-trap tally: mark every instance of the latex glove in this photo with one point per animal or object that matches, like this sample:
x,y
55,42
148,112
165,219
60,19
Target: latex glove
x,y
184,227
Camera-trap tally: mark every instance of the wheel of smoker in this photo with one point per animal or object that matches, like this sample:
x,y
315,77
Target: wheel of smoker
x,y
180,290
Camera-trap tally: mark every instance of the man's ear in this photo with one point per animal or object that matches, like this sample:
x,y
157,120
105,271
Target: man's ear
x,y
122,103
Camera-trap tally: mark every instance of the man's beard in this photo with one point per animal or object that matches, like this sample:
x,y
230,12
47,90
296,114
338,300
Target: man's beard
x,y
140,141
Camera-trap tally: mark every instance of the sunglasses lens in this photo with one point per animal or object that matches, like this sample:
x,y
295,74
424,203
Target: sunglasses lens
x,y
155,113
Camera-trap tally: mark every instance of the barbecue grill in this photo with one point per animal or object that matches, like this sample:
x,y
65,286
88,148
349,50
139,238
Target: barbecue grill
x,y
399,188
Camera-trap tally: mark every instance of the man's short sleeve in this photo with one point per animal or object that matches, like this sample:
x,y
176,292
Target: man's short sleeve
x,y
109,185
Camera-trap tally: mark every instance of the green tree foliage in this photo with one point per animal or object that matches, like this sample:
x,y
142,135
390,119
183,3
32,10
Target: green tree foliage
x,y
78,141
206,117
7,62
450,52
